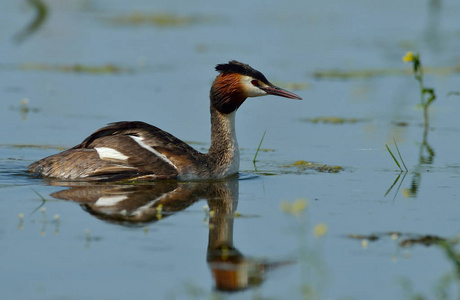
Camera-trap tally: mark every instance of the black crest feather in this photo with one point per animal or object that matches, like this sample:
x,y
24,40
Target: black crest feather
x,y
234,66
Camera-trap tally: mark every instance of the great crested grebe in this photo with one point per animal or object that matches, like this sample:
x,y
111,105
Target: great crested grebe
x,y
137,150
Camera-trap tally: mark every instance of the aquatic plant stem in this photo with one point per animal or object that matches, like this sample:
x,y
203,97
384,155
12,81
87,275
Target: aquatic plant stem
x,y
399,153
41,14
41,204
394,158
424,92
258,148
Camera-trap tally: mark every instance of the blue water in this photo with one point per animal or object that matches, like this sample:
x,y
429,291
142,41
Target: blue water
x,y
53,248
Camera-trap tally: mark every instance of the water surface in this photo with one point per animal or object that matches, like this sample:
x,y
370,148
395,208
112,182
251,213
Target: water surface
x,y
82,68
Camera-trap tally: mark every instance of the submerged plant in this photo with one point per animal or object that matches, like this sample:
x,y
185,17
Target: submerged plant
x,y
427,95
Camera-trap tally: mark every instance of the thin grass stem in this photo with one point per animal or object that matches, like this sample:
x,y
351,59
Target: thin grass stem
x,y
43,202
258,148
394,158
399,153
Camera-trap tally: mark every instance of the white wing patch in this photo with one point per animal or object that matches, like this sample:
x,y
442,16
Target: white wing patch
x,y
110,201
139,140
105,152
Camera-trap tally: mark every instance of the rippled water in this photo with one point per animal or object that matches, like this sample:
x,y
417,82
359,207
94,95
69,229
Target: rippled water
x,y
94,62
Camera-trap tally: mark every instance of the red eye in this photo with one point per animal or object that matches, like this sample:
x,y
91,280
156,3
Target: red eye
x,y
255,82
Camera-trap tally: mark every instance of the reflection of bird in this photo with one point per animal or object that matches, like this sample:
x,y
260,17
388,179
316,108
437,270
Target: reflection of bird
x,y
138,150
231,269
140,204
135,205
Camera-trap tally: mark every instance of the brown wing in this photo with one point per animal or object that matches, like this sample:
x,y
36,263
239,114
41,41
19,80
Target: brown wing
x,y
154,134
120,150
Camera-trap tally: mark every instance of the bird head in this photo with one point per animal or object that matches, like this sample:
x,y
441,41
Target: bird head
x,y
237,81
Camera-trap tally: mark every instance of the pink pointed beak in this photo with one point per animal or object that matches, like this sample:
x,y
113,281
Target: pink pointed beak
x,y
277,91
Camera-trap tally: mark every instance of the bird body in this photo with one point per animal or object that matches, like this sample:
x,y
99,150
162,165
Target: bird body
x,y
137,150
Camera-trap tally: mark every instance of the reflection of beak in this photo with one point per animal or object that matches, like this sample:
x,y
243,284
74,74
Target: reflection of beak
x,y
274,90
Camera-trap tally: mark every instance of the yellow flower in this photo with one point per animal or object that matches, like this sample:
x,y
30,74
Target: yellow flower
x,y
299,205
320,230
409,57
294,208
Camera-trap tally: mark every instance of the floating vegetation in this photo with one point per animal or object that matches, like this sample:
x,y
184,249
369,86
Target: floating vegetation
x,y
369,237
449,246
339,74
425,240
305,165
371,73
21,146
400,123
292,85
406,239
332,120
453,93
41,13
156,19
76,68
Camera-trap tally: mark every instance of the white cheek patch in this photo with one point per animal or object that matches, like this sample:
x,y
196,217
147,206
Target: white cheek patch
x,y
109,153
250,89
